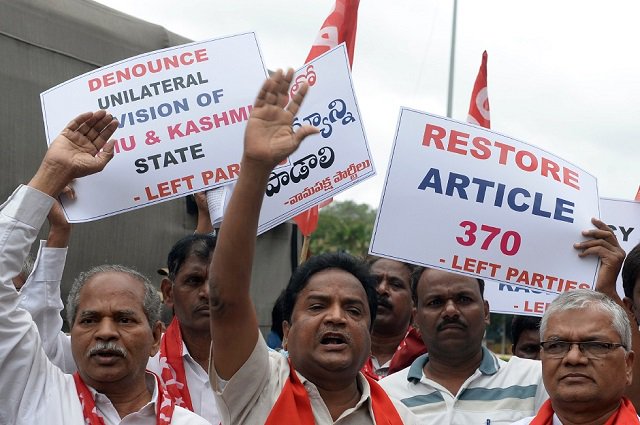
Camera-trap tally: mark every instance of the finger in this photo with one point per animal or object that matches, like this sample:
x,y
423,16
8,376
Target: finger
x,y
283,88
294,105
303,132
94,131
104,156
594,243
106,133
68,192
77,121
91,121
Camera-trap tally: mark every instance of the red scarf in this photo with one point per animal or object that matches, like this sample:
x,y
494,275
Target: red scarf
x,y
625,415
164,405
294,404
172,373
409,349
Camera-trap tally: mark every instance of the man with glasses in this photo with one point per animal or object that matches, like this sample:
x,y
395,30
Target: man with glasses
x,y
586,362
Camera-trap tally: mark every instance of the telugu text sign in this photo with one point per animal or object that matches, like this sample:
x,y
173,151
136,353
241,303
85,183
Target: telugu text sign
x,y
326,163
467,199
624,219
182,114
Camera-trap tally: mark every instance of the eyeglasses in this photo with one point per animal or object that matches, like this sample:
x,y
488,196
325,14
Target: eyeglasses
x,y
590,349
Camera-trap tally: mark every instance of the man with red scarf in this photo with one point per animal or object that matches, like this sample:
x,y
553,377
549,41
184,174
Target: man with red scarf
x,y
329,305
114,326
587,362
395,343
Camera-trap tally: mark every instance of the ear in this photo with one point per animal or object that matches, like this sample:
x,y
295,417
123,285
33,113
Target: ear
x,y
166,287
285,332
157,336
629,367
487,313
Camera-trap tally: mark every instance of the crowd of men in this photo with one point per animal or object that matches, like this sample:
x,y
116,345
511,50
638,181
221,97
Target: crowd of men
x,y
372,341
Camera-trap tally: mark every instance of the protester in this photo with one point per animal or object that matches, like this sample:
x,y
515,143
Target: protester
x,y
330,305
459,381
183,359
525,337
586,362
114,326
395,343
630,280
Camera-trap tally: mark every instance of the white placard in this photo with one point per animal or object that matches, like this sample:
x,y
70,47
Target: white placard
x,y
466,199
326,163
182,114
621,215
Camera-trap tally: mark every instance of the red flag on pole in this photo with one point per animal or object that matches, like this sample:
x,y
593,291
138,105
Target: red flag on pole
x,y
479,106
340,26
638,194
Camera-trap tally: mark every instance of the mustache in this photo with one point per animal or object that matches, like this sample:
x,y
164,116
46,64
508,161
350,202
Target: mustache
x,y
384,302
448,321
107,347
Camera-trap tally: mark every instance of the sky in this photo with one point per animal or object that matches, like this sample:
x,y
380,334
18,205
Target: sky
x,y
562,75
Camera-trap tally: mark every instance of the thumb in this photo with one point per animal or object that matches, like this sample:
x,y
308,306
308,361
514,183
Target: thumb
x,y
105,155
304,131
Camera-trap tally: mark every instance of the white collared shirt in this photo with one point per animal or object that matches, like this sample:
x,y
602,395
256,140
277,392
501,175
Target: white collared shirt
x,y
33,390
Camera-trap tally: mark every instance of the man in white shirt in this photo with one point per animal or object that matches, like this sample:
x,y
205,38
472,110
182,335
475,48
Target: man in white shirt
x,y
329,305
114,330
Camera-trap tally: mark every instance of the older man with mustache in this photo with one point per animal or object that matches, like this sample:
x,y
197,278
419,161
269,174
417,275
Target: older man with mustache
x,y
114,312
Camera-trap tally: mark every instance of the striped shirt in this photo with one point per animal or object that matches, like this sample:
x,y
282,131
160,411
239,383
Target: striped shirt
x,y
498,392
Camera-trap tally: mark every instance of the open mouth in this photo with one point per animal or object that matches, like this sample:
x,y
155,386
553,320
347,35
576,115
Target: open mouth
x,y
107,356
333,339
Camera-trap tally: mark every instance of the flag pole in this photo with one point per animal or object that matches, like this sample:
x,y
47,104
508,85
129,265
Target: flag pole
x,y
452,59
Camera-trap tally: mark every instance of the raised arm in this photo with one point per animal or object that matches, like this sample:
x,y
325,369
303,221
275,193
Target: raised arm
x,y
69,156
40,295
605,245
268,140
203,226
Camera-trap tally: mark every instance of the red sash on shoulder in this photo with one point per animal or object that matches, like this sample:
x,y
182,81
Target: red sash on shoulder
x,y
294,405
409,349
172,373
625,415
164,405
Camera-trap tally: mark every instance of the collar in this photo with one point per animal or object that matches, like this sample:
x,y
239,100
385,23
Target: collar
x,y
150,380
489,365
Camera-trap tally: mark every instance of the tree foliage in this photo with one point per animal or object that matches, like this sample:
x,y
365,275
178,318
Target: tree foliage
x,y
344,226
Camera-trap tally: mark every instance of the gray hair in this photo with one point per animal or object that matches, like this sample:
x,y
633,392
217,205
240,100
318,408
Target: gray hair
x,y
581,298
151,303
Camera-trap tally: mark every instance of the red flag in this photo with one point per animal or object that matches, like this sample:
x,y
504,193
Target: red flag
x,y
479,106
638,194
340,26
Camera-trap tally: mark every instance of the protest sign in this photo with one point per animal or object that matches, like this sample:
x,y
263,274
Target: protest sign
x,y
624,219
326,163
470,200
182,114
